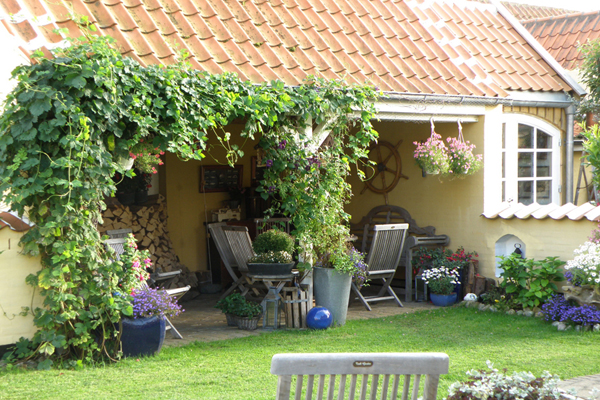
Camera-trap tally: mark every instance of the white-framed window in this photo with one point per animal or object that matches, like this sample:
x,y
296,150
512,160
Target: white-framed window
x,y
530,160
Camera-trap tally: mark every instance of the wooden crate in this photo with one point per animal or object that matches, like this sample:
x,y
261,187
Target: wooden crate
x,y
296,304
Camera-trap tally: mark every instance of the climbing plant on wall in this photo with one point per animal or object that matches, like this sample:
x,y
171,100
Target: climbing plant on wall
x,y
72,117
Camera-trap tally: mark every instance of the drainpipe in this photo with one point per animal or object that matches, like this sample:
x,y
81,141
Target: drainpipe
x,y
570,111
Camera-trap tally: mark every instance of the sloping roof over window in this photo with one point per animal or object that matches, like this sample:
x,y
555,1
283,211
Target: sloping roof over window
x,y
417,46
561,36
537,211
527,11
14,222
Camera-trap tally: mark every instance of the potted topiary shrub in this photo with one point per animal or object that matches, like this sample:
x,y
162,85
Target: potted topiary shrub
x,y
274,251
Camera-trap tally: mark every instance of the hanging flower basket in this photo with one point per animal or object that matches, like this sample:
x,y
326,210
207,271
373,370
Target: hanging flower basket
x,y
432,156
461,157
456,159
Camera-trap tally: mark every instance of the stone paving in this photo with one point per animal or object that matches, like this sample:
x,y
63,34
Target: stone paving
x,y
204,323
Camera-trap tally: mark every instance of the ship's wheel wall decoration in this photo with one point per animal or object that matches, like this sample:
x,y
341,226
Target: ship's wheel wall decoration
x,y
387,171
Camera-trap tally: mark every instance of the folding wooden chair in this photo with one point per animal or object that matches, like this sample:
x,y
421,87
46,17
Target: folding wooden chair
x,y
118,245
240,280
382,261
378,375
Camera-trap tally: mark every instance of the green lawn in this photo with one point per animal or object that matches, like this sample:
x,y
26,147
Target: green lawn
x,y
239,369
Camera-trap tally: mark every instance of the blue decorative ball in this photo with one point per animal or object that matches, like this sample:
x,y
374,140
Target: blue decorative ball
x,y
319,318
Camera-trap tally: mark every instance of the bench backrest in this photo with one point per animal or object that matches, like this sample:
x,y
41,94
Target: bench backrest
x,y
358,375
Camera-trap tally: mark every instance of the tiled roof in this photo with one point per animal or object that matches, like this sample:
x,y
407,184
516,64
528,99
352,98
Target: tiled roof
x,y
12,221
537,211
561,36
527,11
417,46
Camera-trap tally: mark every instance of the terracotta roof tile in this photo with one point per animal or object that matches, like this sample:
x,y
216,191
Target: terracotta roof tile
x,y
47,31
433,46
12,221
562,35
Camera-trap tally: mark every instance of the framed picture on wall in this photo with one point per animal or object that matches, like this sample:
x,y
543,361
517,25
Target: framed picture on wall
x,y
220,178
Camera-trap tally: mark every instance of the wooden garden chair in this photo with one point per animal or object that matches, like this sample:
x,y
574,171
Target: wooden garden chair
x,y
375,375
240,280
382,261
118,245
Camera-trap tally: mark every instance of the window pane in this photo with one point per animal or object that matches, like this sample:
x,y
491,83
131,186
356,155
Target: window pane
x,y
544,141
544,162
504,135
525,137
503,165
503,190
543,190
525,165
526,192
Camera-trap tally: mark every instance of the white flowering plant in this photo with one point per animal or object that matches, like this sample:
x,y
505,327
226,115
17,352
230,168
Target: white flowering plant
x,y
493,384
584,269
441,280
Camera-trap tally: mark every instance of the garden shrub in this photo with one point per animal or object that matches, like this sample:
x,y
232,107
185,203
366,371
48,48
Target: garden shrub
x,y
528,282
273,240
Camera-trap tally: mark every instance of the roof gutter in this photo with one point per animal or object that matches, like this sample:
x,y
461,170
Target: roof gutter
x,y
474,100
538,48
568,105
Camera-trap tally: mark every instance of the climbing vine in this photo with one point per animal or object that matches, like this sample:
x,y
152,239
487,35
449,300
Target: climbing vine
x,y
70,119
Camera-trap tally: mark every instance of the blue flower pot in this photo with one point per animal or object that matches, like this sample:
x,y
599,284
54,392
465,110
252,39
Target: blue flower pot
x,y
443,300
319,318
142,336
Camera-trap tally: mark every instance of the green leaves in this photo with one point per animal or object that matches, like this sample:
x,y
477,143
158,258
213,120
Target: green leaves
x,y
530,282
70,117
75,80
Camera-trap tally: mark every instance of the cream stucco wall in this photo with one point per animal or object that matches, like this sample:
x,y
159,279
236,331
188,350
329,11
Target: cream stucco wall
x,y
188,208
14,292
454,207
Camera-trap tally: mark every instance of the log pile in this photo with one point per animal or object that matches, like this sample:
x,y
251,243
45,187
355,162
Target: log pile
x,y
149,226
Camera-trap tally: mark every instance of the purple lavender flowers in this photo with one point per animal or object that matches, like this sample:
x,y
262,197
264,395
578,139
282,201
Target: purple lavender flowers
x,y
152,302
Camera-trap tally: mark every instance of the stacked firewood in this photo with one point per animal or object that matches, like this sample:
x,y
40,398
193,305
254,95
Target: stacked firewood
x,y
149,226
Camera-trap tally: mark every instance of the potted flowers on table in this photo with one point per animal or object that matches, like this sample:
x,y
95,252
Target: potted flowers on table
x,y
441,281
274,251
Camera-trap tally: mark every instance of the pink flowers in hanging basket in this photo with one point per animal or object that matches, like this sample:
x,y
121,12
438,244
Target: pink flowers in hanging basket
x,y
455,159
461,158
432,156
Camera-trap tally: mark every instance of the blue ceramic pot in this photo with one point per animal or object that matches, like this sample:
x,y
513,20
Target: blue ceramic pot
x,y
319,318
443,300
142,336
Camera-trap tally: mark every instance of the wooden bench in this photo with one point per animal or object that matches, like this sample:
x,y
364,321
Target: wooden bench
x,y
358,376
418,237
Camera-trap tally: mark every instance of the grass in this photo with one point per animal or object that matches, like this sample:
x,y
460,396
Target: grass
x,y
239,368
